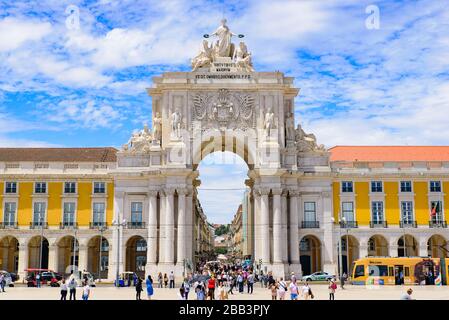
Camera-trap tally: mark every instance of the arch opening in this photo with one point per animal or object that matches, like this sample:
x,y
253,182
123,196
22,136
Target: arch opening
x,y
136,255
310,254
377,246
68,254
9,254
437,247
98,257
38,248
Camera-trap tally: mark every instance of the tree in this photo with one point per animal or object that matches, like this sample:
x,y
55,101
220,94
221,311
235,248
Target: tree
x,y
222,229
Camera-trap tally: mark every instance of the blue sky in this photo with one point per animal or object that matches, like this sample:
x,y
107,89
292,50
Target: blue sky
x,y
66,86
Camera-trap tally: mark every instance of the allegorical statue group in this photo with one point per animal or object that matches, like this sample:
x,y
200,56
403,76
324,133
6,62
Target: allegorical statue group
x,y
223,47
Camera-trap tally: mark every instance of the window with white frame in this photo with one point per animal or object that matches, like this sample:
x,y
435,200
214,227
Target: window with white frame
x,y
40,187
348,210
436,211
69,187
435,186
407,211
309,211
69,214
371,244
377,211
141,245
406,186
346,186
39,213
9,214
141,261
136,212
98,213
376,186
304,244
99,187
10,187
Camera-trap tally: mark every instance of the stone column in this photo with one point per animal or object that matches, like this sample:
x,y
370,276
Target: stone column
x,y
422,250
181,253
277,226
294,225
363,250
393,250
264,226
152,228
327,246
189,228
82,257
285,243
257,248
53,257
116,258
162,215
169,247
23,260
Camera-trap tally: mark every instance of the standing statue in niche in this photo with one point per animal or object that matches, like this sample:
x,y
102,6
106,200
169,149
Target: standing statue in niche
x,y
204,58
243,58
176,118
290,127
268,122
157,127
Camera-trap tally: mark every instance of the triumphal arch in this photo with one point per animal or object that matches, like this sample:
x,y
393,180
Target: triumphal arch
x,y
223,104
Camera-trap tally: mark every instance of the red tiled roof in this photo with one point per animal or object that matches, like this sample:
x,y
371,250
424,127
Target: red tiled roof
x,y
389,153
107,154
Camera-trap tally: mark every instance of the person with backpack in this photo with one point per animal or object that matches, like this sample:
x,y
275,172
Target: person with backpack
x,y
332,288
199,290
139,288
282,289
72,288
186,287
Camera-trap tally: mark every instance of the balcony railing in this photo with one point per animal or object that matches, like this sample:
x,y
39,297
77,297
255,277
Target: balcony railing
x,y
349,224
38,225
437,224
98,225
408,224
68,225
310,224
378,224
8,225
135,225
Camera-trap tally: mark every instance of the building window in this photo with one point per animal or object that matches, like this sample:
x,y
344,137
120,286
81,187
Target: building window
x,y
39,213
104,263
371,245
70,187
435,186
141,261
435,211
309,211
406,186
346,186
377,211
11,187
40,187
99,187
348,211
69,213
407,211
376,186
304,245
136,212
98,214
9,215
141,245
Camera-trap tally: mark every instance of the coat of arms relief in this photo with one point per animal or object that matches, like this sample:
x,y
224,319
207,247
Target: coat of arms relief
x,y
223,110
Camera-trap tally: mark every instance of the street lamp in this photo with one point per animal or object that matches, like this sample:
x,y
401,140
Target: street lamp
x,y
347,244
102,229
340,255
117,224
41,222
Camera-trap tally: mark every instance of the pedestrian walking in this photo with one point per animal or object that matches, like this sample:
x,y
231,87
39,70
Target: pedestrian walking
x,y
165,280
282,289
72,288
222,293
2,282
274,291
186,287
211,288
86,291
293,291
38,280
232,281
240,282
63,290
342,280
171,277
149,284
199,290
139,288
332,287
306,291
250,283
160,280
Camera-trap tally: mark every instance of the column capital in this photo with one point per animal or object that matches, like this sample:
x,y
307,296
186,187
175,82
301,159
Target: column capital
x,y
152,193
168,191
119,194
326,194
263,191
294,192
182,191
276,191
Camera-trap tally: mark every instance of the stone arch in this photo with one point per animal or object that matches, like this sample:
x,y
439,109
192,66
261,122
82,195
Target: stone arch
x,y
136,255
437,246
37,257
409,247
235,141
9,254
67,254
350,251
377,246
98,256
310,254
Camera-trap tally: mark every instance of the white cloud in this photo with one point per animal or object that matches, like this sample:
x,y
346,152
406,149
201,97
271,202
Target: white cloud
x,y
15,32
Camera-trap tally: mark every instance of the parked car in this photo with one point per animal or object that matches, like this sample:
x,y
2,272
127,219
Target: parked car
x,y
14,276
8,278
318,276
48,277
